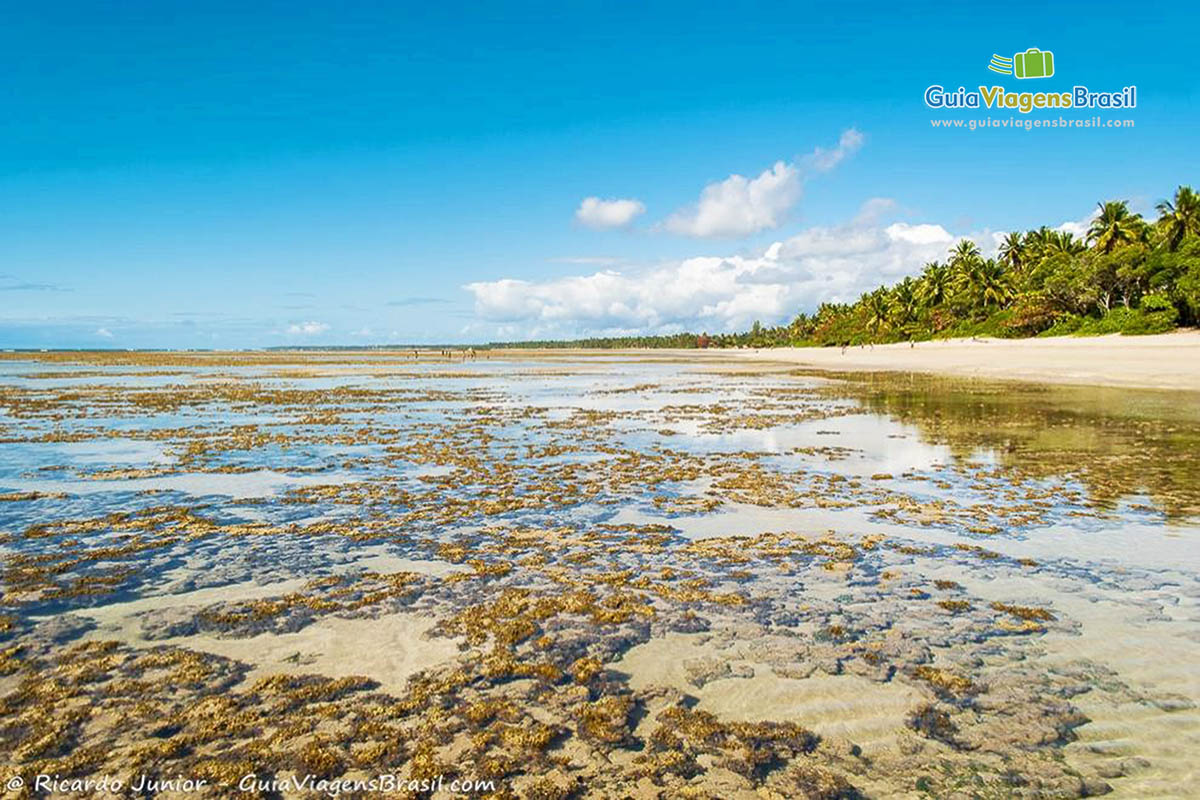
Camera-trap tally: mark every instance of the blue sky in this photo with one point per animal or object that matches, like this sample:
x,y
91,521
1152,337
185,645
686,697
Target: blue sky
x,y
255,174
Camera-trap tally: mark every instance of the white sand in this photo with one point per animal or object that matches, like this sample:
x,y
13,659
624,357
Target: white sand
x,y
865,712
1164,361
389,649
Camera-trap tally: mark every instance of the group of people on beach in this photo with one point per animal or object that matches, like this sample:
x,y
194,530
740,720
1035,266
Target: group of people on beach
x,y
448,353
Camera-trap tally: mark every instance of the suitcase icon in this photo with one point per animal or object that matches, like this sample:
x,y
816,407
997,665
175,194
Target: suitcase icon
x,y
1033,63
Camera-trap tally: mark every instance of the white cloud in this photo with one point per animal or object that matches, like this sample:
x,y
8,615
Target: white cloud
x,y
307,328
740,206
104,333
1080,227
604,214
717,293
920,234
822,160
705,289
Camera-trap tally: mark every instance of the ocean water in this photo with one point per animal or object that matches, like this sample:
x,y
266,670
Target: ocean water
x,y
600,574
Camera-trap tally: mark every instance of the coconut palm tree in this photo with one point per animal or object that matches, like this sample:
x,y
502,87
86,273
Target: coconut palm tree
x,y
878,306
964,258
963,254
1181,217
1064,242
983,283
904,301
1116,225
991,282
933,287
1036,242
1012,250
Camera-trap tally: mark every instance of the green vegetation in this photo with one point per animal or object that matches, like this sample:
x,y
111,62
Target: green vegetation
x,y
1129,276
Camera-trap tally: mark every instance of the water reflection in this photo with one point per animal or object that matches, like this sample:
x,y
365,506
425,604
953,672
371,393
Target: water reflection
x,y
1119,443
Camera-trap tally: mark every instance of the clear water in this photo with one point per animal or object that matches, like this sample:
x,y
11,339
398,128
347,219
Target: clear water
x,y
1083,503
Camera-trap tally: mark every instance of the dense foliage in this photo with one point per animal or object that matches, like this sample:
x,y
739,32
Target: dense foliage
x,y
1129,276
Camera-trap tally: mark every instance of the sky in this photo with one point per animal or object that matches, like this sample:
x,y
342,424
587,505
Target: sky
x,y
226,175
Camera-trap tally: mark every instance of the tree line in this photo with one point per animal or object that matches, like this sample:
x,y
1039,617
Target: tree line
x,y
1128,275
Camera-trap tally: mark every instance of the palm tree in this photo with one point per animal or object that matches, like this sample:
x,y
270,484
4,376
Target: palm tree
x,y
904,300
1116,225
1036,243
878,306
1181,217
991,283
983,283
963,254
1064,242
1012,250
933,287
964,257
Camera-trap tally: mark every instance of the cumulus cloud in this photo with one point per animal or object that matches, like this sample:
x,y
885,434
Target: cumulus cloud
x,y
306,328
104,333
605,214
717,293
740,206
706,288
919,234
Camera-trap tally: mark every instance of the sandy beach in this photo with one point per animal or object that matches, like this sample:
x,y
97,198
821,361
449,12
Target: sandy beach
x,y
1165,361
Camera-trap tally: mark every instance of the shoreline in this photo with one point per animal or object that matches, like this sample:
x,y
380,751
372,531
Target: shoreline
x,y
1166,361
1169,361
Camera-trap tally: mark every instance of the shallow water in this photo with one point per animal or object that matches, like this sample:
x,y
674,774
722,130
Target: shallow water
x,y
958,587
